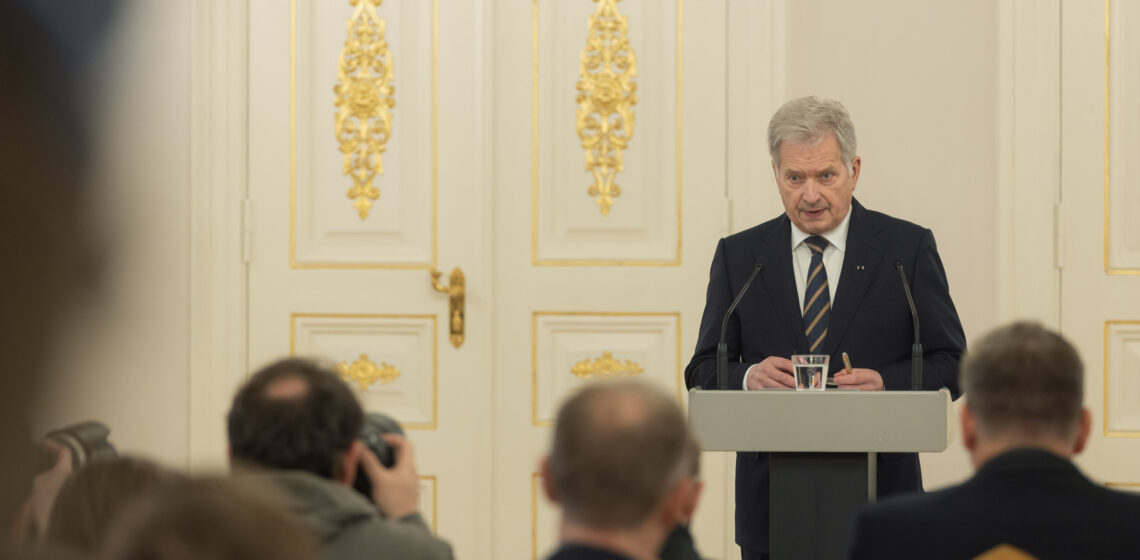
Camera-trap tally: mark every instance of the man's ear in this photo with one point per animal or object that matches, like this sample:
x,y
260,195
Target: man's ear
x,y
547,480
693,496
1083,431
969,428
679,504
350,463
856,166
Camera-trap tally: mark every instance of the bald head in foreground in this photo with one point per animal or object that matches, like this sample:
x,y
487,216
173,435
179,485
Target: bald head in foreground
x,y
1022,424
622,469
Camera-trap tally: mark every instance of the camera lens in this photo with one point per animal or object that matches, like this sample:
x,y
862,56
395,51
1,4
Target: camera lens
x,y
375,426
87,442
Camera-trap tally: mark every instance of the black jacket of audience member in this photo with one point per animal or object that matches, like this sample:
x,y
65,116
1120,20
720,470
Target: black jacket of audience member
x,y
1028,498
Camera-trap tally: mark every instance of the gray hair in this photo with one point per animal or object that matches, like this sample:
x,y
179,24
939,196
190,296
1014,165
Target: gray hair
x,y
808,120
1024,379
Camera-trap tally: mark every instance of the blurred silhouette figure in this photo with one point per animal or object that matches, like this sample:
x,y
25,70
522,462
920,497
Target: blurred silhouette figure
x,y
44,238
298,425
1023,423
620,468
209,519
92,498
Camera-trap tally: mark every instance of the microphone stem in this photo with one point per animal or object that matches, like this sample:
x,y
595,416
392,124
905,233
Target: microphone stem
x,y
722,345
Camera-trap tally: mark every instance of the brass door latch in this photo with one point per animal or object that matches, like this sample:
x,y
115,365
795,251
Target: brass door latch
x,y
457,313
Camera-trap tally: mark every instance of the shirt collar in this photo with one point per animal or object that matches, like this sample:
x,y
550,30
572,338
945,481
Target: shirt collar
x,y
836,237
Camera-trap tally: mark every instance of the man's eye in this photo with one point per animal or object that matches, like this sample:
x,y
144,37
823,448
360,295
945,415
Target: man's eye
x,y
827,176
794,178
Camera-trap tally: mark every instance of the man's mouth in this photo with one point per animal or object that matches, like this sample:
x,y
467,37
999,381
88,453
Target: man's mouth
x,y
813,214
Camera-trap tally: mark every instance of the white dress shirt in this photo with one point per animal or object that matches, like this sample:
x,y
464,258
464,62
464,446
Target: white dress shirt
x,y
801,263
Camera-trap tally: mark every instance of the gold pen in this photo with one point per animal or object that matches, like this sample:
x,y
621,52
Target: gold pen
x,y
846,364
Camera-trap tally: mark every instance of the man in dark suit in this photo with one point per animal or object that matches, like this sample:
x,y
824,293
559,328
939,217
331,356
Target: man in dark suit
x,y
829,284
622,469
1022,424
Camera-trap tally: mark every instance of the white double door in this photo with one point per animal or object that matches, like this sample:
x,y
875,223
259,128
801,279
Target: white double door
x,y
483,168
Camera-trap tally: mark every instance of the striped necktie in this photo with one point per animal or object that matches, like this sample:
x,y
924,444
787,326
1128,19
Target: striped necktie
x,y
817,298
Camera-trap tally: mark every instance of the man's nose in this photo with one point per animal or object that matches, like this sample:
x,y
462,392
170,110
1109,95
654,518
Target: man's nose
x,y
811,190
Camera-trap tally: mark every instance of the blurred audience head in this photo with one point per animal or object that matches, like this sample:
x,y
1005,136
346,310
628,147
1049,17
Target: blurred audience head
x,y
1024,387
209,519
296,415
96,494
623,461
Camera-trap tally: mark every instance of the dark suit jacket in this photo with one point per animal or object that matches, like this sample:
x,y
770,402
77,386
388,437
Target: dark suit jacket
x,y
870,320
1029,498
679,545
583,552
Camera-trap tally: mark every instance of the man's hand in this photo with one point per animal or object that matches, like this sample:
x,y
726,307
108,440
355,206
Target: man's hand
x,y
396,491
859,378
32,521
773,372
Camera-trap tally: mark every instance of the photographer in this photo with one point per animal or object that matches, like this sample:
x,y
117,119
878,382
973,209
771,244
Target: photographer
x,y
298,425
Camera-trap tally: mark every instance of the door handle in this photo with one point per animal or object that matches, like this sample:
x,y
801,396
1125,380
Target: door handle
x,y
457,310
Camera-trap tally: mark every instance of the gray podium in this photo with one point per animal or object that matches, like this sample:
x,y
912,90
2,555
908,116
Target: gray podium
x,y
823,447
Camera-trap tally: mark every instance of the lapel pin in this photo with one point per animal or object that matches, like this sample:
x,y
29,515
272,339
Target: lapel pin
x,y
860,267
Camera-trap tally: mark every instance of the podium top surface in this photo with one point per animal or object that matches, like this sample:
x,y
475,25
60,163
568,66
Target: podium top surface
x,y
835,421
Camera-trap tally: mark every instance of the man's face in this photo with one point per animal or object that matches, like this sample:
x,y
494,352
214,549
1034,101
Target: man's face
x,y
815,185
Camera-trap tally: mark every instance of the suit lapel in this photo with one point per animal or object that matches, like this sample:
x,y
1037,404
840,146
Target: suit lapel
x,y
860,262
779,280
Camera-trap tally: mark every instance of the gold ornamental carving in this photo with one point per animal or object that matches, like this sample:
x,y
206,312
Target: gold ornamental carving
x,y
365,373
605,366
606,96
364,102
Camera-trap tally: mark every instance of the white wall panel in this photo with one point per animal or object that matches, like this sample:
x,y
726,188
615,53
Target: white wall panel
x,y
399,230
429,487
645,346
1122,173
407,343
1121,382
643,226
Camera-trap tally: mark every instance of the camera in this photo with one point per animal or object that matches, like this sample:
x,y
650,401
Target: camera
x,y
87,442
375,426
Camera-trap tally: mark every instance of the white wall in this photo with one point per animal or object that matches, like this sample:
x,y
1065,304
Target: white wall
x,y
125,361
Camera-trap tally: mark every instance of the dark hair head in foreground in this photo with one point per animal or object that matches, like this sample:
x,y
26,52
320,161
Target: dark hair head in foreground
x,y
1024,381
294,415
619,447
96,494
210,519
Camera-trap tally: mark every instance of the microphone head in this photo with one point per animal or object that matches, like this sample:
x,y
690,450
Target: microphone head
x,y
761,262
898,263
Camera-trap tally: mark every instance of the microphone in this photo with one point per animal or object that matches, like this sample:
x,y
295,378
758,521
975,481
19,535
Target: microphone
x,y
722,346
916,349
